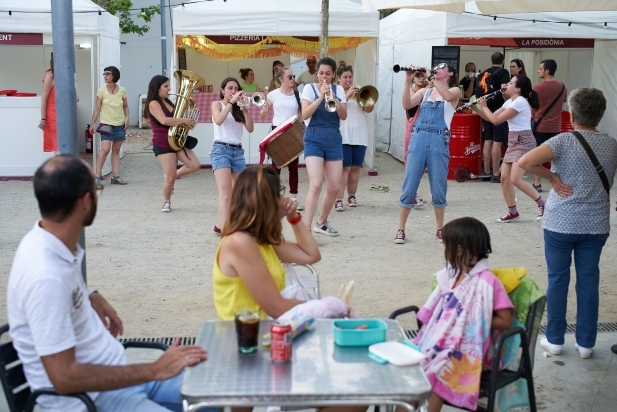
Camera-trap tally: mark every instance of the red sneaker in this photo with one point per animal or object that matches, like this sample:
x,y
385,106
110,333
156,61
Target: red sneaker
x,y
508,218
540,212
216,230
400,237
438,236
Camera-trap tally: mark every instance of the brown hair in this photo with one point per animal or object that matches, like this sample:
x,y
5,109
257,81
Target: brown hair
x,y
245,72
236,111
254,206
280,72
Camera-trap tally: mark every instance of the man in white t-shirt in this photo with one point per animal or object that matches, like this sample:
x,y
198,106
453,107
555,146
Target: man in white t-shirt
x,y
309,76
65,334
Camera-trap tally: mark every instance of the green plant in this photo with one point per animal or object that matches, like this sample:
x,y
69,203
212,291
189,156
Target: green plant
x,y
123,8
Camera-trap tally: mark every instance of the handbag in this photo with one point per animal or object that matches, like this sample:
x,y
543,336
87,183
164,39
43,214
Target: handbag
x,y
595,161
294,288
535,124
104,129
190,142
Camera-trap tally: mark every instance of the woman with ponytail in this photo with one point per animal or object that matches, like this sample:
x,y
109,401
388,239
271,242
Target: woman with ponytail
x,y
227,155
517,112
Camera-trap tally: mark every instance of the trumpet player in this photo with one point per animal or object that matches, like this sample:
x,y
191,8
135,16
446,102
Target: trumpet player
x,y
354,131
429,145
323,107
227,155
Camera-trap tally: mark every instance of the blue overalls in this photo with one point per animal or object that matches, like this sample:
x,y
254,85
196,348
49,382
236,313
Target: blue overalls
x,y
322,137
428,149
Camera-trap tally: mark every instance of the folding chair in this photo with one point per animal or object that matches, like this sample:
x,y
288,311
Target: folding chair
x,y
494,379
310,280
19,397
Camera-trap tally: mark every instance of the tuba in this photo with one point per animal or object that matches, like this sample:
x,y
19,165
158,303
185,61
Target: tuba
x,y
188,81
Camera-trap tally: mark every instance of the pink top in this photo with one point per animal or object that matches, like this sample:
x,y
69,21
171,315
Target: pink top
x,y
159,132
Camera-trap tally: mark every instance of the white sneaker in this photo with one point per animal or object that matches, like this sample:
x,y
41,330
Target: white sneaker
x,y
338,205
584,352
552,349
325,229
166,206
299,208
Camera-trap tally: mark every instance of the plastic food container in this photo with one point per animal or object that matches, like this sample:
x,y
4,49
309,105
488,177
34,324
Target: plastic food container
x,y
346,332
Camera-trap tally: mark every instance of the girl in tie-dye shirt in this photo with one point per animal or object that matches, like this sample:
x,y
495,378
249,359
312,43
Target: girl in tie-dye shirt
x,y
468,302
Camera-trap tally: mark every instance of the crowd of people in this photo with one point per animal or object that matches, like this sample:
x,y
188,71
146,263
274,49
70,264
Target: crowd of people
x,y
79,352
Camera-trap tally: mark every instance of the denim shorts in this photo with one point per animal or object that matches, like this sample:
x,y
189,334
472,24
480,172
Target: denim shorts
x,y
323,142
353,155
224,155
118,134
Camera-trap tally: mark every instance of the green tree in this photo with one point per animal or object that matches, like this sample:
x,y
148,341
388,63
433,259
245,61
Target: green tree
x,y
122,10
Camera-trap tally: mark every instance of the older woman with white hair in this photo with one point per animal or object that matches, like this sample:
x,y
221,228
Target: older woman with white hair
x,y
576,216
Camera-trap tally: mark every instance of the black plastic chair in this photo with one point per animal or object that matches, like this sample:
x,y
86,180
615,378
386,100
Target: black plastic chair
x,y
18,395
494,379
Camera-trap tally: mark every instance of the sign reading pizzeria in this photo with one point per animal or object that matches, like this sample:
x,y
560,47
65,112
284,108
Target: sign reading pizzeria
x,y
21,39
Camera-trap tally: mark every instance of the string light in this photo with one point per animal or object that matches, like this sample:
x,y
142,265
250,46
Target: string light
x,y
494,18
10,13
605,25
534,21
100,14
569,24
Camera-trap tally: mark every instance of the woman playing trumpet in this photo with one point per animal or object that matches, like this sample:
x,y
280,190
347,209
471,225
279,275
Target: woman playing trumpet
x,y
323,147
354,131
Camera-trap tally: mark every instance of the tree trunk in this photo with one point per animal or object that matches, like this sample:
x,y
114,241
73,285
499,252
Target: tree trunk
x,y
325,15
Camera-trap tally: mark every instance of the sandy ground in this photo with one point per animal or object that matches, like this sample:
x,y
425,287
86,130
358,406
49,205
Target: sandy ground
x,y
155,268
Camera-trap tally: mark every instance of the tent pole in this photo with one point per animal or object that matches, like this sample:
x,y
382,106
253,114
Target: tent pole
x,y
163,39
64,78
325,16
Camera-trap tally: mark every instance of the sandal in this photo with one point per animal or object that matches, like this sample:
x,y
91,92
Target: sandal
x,y
97,181
117,180
537,187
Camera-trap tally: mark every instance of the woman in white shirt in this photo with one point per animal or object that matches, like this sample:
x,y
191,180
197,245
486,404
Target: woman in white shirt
x,y
517,112
355,139
227,155
286,103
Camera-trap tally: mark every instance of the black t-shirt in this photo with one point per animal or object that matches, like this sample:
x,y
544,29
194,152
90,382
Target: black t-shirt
x,y
412,112
498,77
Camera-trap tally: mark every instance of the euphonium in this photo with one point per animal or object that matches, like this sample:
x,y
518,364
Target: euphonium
x,y
186,108
331,102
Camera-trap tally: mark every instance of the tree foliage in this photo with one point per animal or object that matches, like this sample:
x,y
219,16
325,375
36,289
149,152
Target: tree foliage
x,y
123,9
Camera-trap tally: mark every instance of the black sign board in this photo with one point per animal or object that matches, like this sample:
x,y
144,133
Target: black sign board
x,y
447,54
182,59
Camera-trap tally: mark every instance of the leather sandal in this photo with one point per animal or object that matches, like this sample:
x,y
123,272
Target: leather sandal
x,y
117,180
537,187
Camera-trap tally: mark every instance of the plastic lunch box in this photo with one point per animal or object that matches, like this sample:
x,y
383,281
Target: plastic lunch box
x,y
347,334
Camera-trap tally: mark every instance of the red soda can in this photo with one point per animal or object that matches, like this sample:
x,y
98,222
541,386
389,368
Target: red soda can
x,y
280,342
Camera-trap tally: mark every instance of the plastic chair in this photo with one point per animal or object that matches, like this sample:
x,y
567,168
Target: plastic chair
x,y
494,379
19,397
310,280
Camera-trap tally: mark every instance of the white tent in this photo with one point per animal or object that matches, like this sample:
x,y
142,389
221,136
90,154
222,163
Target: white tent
x,y
407,36
91,24
288,18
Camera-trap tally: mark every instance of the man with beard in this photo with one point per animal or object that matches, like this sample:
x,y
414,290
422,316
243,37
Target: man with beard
x,y
64,333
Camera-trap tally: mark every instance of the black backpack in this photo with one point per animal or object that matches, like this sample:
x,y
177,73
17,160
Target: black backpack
x,y
488,82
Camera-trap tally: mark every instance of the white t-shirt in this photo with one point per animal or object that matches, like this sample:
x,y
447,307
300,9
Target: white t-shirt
x,y
354,129
521,121
309,95
307,78
284,106
49,312
228,132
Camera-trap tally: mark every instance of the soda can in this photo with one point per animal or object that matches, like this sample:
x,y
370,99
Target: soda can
x,y
280,342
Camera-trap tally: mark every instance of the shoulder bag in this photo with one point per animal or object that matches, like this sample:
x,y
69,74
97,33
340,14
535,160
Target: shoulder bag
x,y
534,124
594,160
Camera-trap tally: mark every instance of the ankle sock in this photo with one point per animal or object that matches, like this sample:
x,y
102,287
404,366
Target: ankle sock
x,y
540,201
339,199
512,210
294,199
350,195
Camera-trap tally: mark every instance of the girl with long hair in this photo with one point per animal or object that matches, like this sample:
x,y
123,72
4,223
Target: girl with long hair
x,y
227,155
517,112
517,67
354,131
454,338
323,144
429,147
160,111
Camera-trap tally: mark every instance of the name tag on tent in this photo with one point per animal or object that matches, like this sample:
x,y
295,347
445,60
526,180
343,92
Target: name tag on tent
x,y
396,353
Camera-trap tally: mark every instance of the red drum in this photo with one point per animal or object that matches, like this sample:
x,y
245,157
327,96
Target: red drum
x,y
285,143
566,126
465,143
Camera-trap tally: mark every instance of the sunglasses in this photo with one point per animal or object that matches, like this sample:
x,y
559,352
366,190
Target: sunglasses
x,y
106,73
440,66
291,76
281,190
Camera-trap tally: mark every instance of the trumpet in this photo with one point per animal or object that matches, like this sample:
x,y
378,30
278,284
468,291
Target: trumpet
x,y
486,97
257,99
398,68
331,102
366,96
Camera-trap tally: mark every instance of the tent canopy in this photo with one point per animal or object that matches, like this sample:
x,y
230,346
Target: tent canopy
x,y
274,18
34,16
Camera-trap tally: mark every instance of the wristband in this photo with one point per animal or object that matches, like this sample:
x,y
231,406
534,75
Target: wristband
x,y
295,220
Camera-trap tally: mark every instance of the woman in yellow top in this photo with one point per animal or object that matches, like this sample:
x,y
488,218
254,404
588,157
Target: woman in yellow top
x,y
248,273
111,103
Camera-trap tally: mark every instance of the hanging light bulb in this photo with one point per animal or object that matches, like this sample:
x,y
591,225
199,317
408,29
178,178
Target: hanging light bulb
x,y
605,25
494,18
569,24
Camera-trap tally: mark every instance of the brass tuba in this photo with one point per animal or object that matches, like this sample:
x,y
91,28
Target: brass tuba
x,y
188,81
367,96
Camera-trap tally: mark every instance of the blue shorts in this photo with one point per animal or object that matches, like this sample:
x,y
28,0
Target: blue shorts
x,y
118,134
224,155
353,155
323,142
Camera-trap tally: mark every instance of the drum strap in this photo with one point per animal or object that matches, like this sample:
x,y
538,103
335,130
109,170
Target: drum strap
x,y
297,94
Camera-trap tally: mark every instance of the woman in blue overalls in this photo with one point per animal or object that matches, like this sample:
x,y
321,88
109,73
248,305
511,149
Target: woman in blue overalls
x,y
323,144
429,145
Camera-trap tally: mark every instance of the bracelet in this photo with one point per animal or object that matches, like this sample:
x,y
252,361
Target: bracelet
x,y
552,177
295,220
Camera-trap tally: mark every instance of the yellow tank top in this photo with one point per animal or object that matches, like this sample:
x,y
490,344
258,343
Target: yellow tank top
x,y
231,295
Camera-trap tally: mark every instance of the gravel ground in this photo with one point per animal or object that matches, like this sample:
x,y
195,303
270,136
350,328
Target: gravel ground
x,y
155,268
